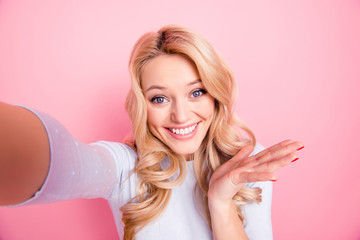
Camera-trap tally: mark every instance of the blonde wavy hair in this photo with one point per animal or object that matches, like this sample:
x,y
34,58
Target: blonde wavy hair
x,y
225,137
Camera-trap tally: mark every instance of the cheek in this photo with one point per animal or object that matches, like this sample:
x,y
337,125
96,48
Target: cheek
x,y
207,107
155,117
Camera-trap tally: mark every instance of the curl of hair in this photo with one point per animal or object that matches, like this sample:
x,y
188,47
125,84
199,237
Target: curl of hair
x,y
225,137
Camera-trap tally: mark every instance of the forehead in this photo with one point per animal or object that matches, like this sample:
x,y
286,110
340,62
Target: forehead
x,y
168,69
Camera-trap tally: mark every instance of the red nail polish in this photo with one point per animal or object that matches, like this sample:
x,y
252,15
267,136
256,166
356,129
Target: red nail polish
x,y
295,159
300,148
274,180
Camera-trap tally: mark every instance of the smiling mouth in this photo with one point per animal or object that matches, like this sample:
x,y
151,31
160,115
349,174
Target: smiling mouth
x,y
183,131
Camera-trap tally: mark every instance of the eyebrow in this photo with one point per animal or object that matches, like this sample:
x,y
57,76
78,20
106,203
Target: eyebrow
x,y
162,87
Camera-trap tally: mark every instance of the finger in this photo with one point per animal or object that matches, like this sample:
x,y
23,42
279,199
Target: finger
x,y
274,148
246,177
233,162
276,164
279,151
242,154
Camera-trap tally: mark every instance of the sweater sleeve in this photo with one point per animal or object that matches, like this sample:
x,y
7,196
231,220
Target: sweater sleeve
x,y
79,170
257,216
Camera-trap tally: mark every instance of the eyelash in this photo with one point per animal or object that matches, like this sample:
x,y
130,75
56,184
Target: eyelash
x,y
156,98
201,91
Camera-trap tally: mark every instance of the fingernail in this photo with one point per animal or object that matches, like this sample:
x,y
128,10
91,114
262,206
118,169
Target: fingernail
x,y
295,159
274,180
300,148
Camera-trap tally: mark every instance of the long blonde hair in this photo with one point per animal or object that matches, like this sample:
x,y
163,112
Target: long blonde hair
x,y
223,140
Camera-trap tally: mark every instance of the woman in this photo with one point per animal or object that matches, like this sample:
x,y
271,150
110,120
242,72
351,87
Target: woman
x,y
191,171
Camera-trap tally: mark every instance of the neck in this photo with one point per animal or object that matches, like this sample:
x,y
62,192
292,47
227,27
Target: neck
x,y
188,157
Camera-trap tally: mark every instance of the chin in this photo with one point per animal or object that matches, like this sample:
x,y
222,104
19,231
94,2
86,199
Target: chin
x,y
183,147
185,150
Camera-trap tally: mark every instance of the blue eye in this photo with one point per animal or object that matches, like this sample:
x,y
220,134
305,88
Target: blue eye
x,y
198,93
158,99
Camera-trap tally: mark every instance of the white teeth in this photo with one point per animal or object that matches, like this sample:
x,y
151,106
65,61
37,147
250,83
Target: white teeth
x,y
183,131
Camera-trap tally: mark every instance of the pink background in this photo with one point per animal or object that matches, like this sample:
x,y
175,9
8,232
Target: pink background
x,y
297,64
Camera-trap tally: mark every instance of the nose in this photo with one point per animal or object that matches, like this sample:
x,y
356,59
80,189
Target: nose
x,y
180,112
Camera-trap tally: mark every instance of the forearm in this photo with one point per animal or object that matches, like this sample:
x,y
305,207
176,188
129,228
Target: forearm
x,y
24,154
225,221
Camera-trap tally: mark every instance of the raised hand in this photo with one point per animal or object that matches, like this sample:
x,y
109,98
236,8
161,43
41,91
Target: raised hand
x,y
230,177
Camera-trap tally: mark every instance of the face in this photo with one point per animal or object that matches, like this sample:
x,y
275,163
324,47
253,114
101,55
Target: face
x,y
179,108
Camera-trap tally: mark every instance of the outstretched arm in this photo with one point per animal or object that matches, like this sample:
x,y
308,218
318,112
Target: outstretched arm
x,y
24,154
229,178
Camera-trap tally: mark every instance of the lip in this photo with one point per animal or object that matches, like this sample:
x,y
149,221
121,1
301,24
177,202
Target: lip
x,y
185,136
